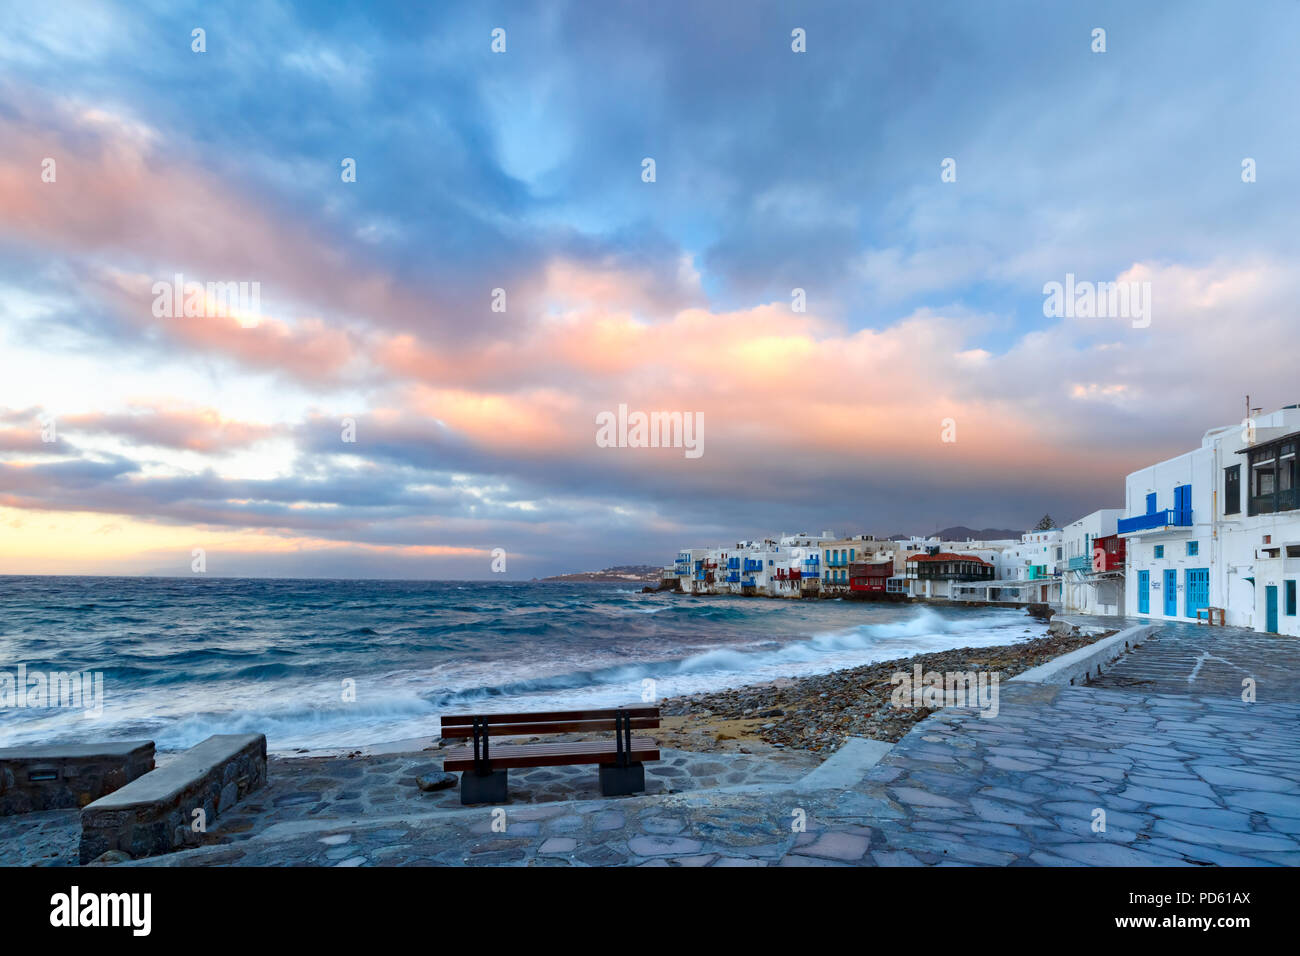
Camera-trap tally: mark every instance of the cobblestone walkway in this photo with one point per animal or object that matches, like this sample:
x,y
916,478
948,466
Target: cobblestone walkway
x,y
1211,661
1194,776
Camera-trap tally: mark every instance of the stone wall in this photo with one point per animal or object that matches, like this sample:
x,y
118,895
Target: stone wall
x,y
70,776
156,813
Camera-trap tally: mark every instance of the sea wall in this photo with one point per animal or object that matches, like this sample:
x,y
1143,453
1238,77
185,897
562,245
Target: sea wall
x,y
64,777
172,807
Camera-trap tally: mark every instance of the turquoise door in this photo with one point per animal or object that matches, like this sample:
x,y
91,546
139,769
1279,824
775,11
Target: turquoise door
x,y
1270,608
1197,590
1171,593
1144,592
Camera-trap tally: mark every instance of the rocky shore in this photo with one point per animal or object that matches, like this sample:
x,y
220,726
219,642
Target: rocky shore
x,y
817,713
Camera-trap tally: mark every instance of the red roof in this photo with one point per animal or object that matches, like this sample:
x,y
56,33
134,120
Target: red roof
x,y
949,556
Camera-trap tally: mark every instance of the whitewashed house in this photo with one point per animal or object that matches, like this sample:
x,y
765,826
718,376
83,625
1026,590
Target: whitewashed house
x,y
1219,528
1092,569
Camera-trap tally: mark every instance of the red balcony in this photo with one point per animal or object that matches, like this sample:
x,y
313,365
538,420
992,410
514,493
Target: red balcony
x,y
1108,554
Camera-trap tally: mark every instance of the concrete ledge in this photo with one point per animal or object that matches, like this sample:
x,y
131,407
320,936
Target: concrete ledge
x,y
1087,662
156,813
847,766
68,776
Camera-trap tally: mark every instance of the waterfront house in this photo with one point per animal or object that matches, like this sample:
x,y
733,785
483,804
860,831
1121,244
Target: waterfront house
x,y
933,575
1218,527
1092,565
840,554
870,577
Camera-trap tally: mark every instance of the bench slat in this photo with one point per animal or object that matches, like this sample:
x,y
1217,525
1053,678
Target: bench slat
x,y
542,717
550,755
551,727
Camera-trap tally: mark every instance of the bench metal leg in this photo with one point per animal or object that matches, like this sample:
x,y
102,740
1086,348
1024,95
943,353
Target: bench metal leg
x,y
483,787
616,781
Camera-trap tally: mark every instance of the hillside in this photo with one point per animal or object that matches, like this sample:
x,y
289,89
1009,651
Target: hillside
x,y
618,574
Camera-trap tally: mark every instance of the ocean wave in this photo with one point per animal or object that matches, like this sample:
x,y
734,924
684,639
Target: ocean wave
x,y
224,655
926,630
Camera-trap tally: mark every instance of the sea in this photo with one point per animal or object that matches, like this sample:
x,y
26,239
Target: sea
x,y
328,664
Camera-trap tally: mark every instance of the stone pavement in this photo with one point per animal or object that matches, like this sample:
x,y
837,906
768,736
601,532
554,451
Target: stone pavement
x,y
1212,661
1163,751
332,790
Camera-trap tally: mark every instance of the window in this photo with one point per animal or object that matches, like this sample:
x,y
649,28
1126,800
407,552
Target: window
x,y
1232,490
1193,548
1262,467
1286,476
1263,481
1160,551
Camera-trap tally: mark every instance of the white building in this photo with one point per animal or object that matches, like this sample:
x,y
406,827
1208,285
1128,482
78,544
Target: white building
x,y
1219,527
1092,582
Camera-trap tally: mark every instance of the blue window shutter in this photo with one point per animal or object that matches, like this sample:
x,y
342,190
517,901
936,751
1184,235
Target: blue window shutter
x,y
1151,503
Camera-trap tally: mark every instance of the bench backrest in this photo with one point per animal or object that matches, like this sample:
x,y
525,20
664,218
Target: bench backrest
x,y
549,722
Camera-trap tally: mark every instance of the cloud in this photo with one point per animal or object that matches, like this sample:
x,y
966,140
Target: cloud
x,y
477,172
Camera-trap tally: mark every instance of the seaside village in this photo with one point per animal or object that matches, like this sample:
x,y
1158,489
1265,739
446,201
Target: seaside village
x,y
1212,536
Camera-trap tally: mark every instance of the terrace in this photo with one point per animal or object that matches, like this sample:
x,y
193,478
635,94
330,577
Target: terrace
x,y
1166,520
1273,476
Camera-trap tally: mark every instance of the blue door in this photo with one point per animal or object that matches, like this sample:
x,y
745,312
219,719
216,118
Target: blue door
x,y
1144,592
1197,590
1270,608
1171,593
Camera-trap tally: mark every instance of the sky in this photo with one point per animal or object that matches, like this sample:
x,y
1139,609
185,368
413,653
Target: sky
x,y
415,389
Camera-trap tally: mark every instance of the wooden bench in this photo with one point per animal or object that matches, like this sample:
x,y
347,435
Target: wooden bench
x,y
1209,614
483,767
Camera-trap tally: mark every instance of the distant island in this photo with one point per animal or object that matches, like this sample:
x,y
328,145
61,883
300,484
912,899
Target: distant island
x,y
619,574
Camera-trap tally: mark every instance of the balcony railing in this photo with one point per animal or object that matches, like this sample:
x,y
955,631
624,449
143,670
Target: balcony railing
x,y
1082,562
1159,519
1283,500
